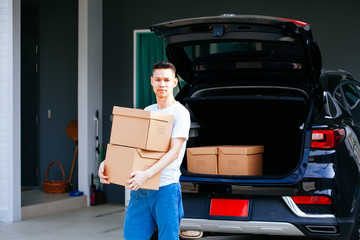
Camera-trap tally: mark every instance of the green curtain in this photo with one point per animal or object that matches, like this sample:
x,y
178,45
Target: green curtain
x,y
150,49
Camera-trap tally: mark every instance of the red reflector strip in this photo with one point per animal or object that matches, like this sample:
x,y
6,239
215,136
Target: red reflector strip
x,y
311,200
229,207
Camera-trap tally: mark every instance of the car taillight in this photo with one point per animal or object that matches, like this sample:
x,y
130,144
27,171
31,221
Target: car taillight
x,y
311,200
327,138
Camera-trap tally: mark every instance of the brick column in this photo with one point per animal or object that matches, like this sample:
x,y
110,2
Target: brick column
x,y
89,88
10,192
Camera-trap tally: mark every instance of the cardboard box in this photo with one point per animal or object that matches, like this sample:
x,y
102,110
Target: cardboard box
x,y
240,160
121,161
141,129
202,160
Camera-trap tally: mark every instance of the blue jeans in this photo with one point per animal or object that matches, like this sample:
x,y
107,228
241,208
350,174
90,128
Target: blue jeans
x,y
150,208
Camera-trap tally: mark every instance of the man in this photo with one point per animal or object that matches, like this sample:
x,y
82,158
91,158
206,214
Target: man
x,y
163,208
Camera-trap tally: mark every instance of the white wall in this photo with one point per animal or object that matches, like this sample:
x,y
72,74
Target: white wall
x,y
10,195
89,87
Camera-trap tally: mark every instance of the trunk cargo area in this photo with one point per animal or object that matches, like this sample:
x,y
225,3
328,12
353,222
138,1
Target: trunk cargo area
x,y
273,118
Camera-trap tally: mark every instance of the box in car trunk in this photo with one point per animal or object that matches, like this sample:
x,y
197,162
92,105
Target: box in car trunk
x,y
202,160
240,160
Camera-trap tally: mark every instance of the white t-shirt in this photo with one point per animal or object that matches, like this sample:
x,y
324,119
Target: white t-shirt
x,y
181,127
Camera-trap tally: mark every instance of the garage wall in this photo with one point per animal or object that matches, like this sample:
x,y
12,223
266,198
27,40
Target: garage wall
x,y
334,25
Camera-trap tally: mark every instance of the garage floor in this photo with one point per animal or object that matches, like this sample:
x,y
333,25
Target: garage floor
x,y
92,223
99,222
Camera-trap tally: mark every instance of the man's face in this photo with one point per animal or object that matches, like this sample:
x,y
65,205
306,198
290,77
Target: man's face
x,y
163,82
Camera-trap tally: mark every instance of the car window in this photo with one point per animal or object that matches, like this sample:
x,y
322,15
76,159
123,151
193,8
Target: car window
x,y
352,99
351,95
282,48
214,48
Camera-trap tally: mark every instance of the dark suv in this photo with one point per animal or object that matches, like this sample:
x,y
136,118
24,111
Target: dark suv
x,y
257,80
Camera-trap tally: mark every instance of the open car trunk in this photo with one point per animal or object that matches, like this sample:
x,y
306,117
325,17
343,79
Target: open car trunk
x,y
250,80
268,116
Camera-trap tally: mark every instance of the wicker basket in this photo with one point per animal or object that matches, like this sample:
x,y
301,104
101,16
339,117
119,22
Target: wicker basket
x,y
55,186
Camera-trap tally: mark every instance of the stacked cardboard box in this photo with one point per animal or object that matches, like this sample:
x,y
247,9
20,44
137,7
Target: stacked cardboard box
x,y
138,139
225,160
141,129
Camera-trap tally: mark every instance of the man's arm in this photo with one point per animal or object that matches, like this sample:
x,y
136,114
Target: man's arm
x,y
138,178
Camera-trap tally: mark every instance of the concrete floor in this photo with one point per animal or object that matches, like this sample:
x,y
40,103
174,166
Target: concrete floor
x,y
98,222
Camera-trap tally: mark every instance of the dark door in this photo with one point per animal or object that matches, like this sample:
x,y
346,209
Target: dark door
x,y
29,96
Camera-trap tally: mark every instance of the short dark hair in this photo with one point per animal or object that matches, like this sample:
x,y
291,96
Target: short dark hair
x,y
164,65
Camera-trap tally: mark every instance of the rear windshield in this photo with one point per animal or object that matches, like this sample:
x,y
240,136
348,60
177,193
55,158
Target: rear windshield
x,y
287,49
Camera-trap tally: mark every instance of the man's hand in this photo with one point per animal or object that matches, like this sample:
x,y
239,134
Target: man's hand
x,y
137,179
103,178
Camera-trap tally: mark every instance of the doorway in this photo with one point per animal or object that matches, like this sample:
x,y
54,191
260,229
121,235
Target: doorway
x,y
29,95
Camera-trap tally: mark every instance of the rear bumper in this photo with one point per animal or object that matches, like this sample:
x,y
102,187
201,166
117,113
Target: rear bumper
x,y
268,215
319,230
240,227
